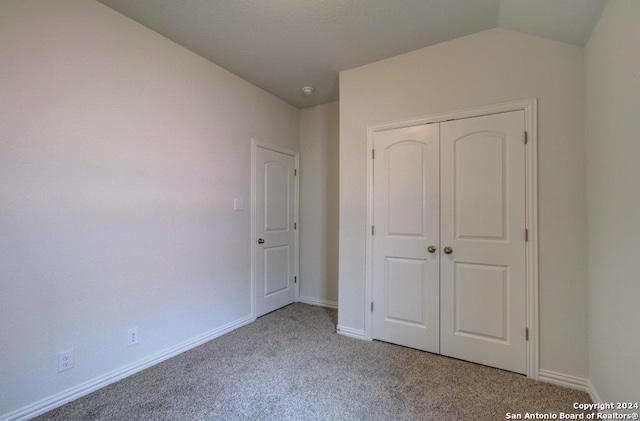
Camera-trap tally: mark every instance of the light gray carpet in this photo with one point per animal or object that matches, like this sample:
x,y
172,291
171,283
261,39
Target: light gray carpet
x,y
291,365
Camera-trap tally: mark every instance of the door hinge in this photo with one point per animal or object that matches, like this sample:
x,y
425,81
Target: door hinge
x,y
526,138
295,279
526,333
372,306
295,172
373,229
373,154
526,235
295,226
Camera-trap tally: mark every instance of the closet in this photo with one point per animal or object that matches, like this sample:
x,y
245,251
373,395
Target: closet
x,y
448,244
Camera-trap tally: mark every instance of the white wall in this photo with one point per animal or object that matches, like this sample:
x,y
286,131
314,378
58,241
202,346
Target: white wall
x,y
319,145
489,67
120,156
612,63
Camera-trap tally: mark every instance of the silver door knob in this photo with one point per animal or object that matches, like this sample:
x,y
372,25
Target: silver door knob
x,y
260,241
448,250
431,249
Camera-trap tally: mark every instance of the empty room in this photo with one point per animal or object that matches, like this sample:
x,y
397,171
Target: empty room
x,y
319,210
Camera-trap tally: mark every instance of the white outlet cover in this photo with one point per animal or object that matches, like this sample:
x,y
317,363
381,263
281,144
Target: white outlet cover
x,y
65,360
132,336
238,204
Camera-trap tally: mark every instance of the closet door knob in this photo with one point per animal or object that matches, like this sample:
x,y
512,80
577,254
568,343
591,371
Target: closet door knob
x,y
448,250
431,249
260,241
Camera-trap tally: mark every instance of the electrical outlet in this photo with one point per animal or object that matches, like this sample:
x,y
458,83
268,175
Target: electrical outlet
x,y
65,360
132,336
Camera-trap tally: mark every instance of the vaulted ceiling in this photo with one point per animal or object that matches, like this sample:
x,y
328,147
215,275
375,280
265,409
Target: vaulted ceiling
x,y
283,45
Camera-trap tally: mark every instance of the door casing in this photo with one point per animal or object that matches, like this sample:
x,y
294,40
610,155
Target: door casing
x,y
529,106
254,145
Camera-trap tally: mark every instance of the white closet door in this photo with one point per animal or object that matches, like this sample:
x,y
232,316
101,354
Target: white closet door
x,y
482,287
406,221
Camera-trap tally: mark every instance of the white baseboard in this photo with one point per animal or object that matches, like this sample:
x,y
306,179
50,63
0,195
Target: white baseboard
x,y
565,380
350,332
83,389
577,383
595,397
318,302
593,393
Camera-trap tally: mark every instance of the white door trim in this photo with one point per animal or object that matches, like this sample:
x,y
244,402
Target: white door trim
x,y
530,108
296,155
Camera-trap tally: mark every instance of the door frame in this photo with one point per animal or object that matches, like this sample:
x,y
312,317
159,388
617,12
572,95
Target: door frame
x,y
530,108
296,263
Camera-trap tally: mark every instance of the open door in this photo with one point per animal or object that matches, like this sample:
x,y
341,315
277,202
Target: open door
x,y
274,229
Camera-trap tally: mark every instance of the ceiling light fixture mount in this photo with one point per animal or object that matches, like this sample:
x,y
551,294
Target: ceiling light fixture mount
x,y
307,90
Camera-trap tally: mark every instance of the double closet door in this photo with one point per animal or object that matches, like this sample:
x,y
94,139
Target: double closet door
x,y
449,258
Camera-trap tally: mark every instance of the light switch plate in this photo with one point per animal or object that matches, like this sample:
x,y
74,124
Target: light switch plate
x,y
238,204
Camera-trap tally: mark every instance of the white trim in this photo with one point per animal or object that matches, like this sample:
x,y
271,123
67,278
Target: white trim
x,y
530,108
296,205
531,190
565,380
593,393
318,302
368,267
350,332
577,383
296,156
85,388
456,115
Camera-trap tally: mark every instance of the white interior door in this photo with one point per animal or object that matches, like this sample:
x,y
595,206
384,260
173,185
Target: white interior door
x,y
483,279
406,221
274,230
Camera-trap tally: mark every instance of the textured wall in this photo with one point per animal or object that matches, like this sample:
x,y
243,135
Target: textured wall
x,y
120,156
612,62
319,132
490,67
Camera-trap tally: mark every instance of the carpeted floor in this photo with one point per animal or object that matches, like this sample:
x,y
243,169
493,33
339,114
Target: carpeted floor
x,y
291,365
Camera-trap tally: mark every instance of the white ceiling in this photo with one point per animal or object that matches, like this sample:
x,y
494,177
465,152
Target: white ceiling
x,y
283,45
